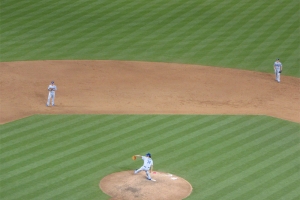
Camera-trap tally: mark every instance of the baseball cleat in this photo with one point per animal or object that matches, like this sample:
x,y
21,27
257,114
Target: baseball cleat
x,y
151,179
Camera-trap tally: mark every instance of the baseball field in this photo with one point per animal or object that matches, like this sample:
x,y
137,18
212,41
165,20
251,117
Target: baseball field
x,y
190,81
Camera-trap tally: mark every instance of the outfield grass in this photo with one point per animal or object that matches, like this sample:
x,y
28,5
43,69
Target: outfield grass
x,y
223,157
248,34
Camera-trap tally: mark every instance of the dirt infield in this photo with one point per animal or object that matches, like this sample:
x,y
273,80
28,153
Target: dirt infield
x,y
120,87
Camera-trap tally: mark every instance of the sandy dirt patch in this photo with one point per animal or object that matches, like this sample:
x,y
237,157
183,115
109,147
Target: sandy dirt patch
x,y
118,87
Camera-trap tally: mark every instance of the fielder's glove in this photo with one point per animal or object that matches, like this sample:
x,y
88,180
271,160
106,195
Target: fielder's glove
x,y
133,157
280,71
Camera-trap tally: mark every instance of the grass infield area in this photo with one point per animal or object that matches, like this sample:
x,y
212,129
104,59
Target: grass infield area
x,y
223,156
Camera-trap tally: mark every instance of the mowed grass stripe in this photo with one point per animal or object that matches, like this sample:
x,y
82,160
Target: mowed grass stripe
x,y
231,37
53,25
218,160
83,175
283,31
209,165
34,137
49,14
223,186
255,29
17,124
258,185
281,189
18,130
140,20
68,22
20,144
249,136
68,167
172,133
246,153
117,158
29,21
166,37
226,168
68,149
211,147
87,29
89,164
238,168
188,141
163,135
21,9
63,31
212,9
251,26
221,22
214,18
78,156
266,38
181,37
293,191
208,32
54,142
242,141
80,47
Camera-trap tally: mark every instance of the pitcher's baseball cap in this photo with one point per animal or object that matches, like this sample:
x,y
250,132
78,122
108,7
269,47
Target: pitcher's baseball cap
x,y
52,82
148,154
277,58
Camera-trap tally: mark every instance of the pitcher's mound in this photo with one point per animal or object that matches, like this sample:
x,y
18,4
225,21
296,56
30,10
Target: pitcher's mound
x,y
127,185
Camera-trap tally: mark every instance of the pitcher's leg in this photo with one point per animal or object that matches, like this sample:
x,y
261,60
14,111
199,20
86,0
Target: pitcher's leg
x,y
138,170
148,175
277,75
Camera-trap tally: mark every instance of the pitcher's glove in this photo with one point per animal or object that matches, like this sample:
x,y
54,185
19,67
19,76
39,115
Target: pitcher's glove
x,y
280,71
133,157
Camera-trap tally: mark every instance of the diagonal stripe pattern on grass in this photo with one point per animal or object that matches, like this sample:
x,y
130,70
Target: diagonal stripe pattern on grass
x,y
247,34
223,157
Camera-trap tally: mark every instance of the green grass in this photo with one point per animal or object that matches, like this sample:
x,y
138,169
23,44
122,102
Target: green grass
x,y
223,157
247,34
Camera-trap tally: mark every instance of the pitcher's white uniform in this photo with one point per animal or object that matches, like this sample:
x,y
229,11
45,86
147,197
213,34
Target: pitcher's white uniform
x,y
148,163
277,69
51,88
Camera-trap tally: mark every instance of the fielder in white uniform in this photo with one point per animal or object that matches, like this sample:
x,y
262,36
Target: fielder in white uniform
x,y
147,166
277,70
51,88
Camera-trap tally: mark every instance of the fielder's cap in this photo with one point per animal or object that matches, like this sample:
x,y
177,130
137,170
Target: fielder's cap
x,y
148,154
52,82
277,58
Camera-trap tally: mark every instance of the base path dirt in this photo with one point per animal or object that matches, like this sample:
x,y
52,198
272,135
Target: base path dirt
x,y
119,87
127,185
